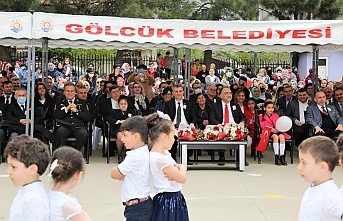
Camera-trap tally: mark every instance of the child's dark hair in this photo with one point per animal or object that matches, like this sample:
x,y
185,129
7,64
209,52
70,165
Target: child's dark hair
x,y
69,162
122,97
322,149
29,151
264,108
339,144
157,126
136,124
252,99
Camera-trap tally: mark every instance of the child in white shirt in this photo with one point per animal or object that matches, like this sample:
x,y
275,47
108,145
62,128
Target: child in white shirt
x,y
134,170
169,203
322,200
28,159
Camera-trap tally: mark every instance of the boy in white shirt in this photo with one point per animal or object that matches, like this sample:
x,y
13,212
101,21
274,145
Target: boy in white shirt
x,y
134,170
322,200
28,159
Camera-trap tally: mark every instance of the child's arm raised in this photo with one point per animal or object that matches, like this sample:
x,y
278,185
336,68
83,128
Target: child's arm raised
x,y
297,216
178,173
116,174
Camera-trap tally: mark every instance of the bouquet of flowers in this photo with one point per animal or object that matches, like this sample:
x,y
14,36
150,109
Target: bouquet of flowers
x,y
235,132
190,133
213,133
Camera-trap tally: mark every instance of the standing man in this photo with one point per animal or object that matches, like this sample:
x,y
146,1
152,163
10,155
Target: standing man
x,y
324,118
169,62
225,112
295,111
72,117
202,75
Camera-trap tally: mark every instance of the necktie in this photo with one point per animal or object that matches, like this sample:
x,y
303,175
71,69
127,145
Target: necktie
x,y
7,100
324,110
22,108
226,114
178,112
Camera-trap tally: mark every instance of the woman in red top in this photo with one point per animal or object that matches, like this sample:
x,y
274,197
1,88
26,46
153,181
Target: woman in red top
x,y
268,119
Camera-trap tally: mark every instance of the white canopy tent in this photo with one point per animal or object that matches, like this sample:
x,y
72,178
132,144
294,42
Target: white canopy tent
x,y
77,31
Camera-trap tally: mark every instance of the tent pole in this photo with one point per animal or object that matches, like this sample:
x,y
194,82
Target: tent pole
x,y
45,60
175,66
32,107
28,74
314,79
187,78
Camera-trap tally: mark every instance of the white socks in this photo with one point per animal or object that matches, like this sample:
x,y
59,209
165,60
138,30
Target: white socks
x,y
282,149
276,148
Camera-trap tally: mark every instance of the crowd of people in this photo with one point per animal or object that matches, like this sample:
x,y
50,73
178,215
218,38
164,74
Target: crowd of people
x,y
66,105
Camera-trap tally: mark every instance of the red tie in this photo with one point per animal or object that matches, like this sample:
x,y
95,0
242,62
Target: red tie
x,y
226,115
324,111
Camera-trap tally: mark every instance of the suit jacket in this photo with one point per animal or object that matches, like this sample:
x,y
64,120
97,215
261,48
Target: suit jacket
x,y
106,107
292,110
339,110
314,116
216,115
12,117
170,109
117,115
3,100
71,119
282,102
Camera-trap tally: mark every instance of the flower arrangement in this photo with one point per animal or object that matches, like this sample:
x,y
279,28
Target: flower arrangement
x,y
235,132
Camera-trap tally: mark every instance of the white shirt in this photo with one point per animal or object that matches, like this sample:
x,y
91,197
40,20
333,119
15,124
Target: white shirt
x,y
62,206
158,162
30,204
302,108
135,168
231,120
323,202
114,104
183,118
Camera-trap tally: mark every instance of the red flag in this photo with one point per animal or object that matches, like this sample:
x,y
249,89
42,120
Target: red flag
x,y
264,137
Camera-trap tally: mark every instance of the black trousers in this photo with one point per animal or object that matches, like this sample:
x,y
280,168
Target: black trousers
x,y
329,132
299,134
80,133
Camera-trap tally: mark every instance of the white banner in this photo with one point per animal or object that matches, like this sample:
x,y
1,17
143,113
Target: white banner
x,y
15,25
186,32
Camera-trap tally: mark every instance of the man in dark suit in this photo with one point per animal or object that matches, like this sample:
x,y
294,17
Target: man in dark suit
x,y
338,103
7,95
179,111
211,96
324,118
224,112
329,95
107,107
287,98
72,117
295,111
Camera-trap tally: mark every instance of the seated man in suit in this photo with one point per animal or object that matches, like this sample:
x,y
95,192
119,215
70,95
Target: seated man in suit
x,y
324,118
107,107
295,111
72,117
179,111
338,103
8,96
224,112
329,95
211,96
287,98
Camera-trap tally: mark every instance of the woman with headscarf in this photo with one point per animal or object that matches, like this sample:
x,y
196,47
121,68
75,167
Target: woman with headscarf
x,y
256,93
126,70
228,77
52,72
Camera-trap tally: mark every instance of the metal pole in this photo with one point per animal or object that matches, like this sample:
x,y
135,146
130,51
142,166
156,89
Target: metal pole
x,y
187,79
33,91
45,60
315,70
28,74
255,62
175,66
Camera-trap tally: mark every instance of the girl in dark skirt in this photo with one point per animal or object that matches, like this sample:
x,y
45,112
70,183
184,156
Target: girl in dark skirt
x,y
169,203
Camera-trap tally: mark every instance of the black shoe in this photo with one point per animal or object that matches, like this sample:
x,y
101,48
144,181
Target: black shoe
x,y
282,160
252,155
189,163
246,163
221,163
120,159
277,160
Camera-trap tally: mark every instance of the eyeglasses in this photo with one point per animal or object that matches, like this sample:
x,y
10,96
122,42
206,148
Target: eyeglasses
x,y
136,87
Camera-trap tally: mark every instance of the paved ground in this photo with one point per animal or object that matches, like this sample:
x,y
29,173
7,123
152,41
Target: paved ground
x,y
262,192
